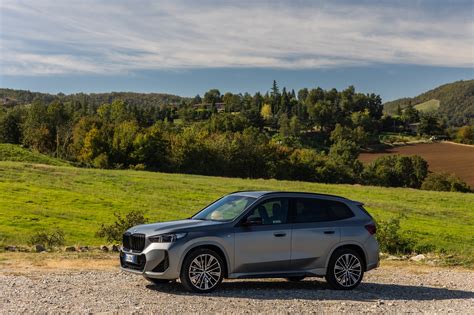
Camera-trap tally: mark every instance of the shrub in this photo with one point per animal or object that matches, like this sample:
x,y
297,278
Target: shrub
x,y
444,182
113,232
48,239
391,240
396,171
465,134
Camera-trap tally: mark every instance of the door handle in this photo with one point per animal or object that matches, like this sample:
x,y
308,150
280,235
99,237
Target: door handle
x,y
329,232
279,234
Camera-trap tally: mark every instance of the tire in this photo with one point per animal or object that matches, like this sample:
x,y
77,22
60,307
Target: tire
x,y
295,278
158,281
338,276
195,280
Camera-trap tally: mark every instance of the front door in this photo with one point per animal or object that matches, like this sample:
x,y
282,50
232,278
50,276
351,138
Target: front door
x,y
265,247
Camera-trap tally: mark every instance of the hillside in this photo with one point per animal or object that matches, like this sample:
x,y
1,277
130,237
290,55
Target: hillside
x,y
456,102
12,152
11,97
34,197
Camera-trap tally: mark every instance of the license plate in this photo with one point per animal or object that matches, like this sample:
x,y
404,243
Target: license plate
x,y
131,258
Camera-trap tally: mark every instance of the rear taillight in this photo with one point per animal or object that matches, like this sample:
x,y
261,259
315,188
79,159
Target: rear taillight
x,y
372,228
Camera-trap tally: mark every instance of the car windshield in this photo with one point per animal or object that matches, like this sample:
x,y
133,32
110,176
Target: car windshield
x,y
225,209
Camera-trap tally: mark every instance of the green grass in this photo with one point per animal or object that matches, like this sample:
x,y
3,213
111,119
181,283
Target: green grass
x,y
11,152
34,197
428,106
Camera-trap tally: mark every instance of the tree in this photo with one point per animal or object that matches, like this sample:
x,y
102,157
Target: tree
x,y
37,133
410,114
197,99
465,134
10,127
212,97
295,127
266,112
429,125
396,171
324,114
275,98
302,95
284,124
151,148
122,144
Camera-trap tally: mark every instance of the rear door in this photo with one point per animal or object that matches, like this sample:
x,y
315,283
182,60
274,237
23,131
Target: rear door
x,y
315,230
264,248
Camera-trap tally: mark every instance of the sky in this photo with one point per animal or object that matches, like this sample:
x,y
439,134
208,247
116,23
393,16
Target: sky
x,y
391,48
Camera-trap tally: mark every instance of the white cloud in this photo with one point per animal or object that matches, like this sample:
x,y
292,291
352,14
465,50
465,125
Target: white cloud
x,y
53,37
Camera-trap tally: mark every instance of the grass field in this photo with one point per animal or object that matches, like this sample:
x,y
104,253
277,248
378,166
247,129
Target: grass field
x,y
36,196
428,106
441,157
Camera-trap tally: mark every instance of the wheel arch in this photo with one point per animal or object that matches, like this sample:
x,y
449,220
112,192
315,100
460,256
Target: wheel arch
x,y
208,245
349,245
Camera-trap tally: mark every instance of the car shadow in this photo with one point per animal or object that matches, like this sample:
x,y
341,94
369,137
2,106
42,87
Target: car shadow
x,y
318,290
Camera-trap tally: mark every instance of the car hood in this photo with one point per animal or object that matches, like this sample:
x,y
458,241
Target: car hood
x,y
171,226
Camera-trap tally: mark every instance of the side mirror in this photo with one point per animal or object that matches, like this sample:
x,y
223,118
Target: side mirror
x,y
253,221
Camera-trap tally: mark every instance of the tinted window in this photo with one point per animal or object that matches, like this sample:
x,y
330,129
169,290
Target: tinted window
x,y
273,211
318,210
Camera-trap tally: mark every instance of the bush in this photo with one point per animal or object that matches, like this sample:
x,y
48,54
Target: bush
x,y
444,182
396,171
114,231
391,240
465,134
47,239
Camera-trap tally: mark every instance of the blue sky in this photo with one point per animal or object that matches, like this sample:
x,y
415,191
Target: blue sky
x,y
392,48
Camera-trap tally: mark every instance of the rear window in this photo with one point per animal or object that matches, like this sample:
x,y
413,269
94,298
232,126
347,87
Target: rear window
x,y
318,210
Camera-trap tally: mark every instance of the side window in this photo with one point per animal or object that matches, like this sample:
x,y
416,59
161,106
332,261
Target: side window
x,y
318,210
338,210
273,211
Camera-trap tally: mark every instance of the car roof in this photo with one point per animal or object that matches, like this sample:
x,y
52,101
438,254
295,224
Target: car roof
x,y
258,194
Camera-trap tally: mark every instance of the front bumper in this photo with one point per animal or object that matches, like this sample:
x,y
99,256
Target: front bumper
x,y
157,260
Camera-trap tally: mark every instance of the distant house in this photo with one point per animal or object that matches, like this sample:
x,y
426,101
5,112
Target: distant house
x,y
219,106
414,127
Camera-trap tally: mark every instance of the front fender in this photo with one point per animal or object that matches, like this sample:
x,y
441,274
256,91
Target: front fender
x,y
226,248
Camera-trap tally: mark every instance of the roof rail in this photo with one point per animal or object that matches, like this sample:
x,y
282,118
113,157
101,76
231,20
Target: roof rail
x,y
304,192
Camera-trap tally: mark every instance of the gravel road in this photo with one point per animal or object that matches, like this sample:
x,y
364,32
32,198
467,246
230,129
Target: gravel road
x,y
391,288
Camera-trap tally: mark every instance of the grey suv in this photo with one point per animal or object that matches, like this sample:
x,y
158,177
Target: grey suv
x,y
257,234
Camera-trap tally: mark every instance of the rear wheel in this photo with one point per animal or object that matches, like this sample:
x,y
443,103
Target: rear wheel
x,y
345,269
202,271
295,279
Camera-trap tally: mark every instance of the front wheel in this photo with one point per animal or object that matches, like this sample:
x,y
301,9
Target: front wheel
x,y
345,269
202,271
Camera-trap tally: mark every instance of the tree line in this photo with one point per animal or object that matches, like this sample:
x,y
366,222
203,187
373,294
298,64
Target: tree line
x,y
312,135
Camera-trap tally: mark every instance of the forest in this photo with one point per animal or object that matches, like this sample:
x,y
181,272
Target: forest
x,y
312,135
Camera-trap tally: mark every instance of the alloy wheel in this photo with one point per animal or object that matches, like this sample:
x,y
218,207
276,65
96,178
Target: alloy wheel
x,y
205,272
347,270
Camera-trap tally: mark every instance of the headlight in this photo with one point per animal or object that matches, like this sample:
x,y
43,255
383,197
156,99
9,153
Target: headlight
x,y
166,238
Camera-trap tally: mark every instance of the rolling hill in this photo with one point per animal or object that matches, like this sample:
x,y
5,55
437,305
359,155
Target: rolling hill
x,y
77,200
12,152
11,97
455,101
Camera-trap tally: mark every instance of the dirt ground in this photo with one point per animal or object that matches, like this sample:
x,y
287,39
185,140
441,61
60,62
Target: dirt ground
x,y
93,283
441,156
